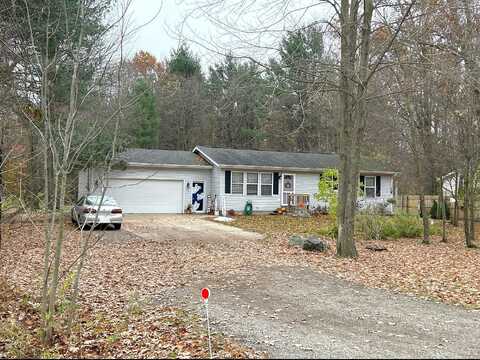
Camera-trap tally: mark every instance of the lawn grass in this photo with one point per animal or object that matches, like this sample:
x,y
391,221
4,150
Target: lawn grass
x,y
283,224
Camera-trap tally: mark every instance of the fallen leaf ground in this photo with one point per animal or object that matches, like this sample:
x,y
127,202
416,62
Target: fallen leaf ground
x,y
126,270
447,272
116,317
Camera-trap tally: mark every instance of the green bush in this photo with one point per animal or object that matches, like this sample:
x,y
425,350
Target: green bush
x,y
408,226
330,231
436,212
372,226
375,227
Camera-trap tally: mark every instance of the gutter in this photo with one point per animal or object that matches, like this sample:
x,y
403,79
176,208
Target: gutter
x,y
297,169
168,166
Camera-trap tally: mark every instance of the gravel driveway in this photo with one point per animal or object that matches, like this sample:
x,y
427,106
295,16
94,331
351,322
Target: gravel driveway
x,y
296,312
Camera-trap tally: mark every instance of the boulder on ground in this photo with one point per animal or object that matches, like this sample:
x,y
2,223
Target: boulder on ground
x,y
375,247
313,243
295,240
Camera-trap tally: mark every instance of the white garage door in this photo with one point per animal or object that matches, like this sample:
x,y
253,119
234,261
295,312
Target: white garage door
x,y
148,196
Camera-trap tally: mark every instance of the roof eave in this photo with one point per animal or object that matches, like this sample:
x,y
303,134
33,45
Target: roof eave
x,y
297,169
378,172
205,156
166,166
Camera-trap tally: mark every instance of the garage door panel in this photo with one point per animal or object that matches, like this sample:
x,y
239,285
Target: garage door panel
x,y
148,196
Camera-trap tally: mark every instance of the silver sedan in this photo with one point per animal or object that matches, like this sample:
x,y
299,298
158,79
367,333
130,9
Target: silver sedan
x,y
93,210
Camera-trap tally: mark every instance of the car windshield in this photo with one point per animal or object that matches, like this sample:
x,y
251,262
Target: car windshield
x,y
95,200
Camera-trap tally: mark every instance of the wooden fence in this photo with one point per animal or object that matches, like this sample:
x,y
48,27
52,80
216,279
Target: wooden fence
x,y
410,204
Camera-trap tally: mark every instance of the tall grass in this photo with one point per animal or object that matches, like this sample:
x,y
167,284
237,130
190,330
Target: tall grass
x,y
378,227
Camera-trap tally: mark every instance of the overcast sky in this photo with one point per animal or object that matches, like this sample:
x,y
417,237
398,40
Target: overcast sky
x,y
206,32
164,32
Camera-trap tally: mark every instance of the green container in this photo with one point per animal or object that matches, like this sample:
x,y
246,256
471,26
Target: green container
x,y
248,208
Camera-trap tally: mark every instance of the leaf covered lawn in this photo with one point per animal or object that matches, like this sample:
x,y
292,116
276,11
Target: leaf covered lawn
x,y
446,272
117,318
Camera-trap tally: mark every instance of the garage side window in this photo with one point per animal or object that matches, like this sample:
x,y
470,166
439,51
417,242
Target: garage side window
x,y
237,182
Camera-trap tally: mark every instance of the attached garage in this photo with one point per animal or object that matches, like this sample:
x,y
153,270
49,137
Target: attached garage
x,y
153,182
148,196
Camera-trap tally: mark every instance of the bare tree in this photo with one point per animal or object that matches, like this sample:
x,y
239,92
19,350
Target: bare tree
x,y
61,46
463,41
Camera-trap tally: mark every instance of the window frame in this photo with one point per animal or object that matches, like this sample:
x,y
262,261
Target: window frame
x,y
374,187
251,183
262,184
237,183
245,183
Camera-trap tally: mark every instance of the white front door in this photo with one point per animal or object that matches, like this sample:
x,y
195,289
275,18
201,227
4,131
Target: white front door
x,y
288,187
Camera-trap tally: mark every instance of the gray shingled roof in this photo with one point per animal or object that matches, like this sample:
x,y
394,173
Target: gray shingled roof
x,y
161,157
283,160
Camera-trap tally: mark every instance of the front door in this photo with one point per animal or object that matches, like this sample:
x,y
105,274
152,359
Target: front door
x,y
198,197
288,187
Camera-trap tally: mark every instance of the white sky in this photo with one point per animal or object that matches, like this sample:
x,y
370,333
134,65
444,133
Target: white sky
x,y
164,33
206,31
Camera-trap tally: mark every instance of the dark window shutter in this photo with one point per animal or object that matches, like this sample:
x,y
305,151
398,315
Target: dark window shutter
x,y
362,183
378,185
276,177
228,181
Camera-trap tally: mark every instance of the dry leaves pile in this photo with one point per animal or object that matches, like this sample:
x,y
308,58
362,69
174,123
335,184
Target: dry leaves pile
x,y
447,272
117,317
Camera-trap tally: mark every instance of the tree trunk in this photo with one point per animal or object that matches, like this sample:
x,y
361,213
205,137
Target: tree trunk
x,y
353,94
455,207
52,298
426,220
1,189
47,220
444,210
468,207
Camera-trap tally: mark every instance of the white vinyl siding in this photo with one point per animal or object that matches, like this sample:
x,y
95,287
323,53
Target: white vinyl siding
x,y
218,181
307,183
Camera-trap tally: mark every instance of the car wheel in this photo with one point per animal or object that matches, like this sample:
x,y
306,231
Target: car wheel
x,y
117,226
84,227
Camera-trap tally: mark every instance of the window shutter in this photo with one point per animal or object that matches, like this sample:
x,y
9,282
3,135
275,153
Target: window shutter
x,y
228,182
276,177
379,186
362,183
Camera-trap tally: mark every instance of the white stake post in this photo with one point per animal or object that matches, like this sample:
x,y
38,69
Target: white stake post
x,y
205,295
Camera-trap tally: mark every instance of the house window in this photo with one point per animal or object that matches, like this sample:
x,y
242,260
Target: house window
x,y
252,183
267,184
237,182
369,186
